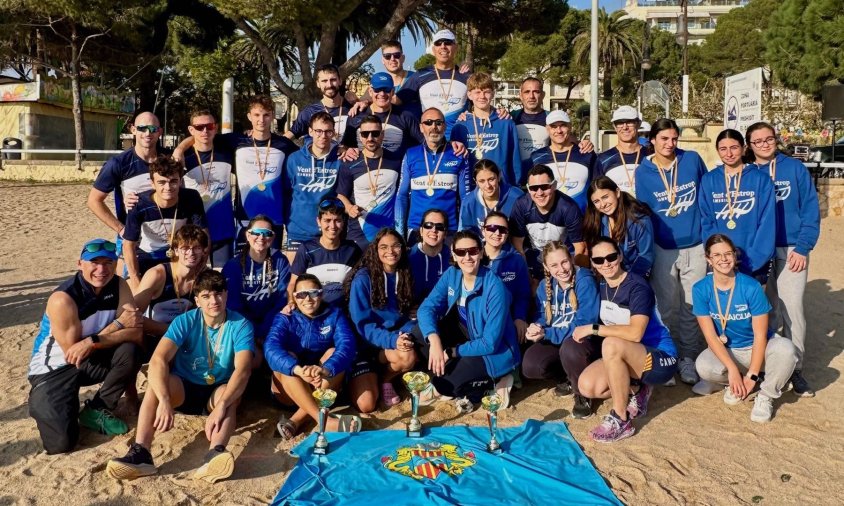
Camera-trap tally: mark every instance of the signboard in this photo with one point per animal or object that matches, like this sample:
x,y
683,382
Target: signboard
x,y
19,92
743,99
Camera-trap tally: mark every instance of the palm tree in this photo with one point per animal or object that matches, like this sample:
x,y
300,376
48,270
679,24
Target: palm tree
x,y
618,44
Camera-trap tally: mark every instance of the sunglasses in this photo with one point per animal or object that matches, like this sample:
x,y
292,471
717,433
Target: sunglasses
x,y
392,56
147,128
462,252
313,293
612,257
443,42
366,134
439,227
431,122
328,203
542,187
383,90
205,126
261,232
100,246
499,229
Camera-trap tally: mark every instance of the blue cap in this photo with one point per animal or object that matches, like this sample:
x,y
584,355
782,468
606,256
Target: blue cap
x,y
381,80
98,248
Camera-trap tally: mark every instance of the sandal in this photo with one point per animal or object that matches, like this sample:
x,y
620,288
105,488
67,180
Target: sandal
x,y
286,428
348,423
389,395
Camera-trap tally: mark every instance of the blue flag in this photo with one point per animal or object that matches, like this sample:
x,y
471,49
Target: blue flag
x,y
541,464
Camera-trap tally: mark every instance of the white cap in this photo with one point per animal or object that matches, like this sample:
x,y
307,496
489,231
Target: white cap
x,y
557,116
625,113
645,127
443,35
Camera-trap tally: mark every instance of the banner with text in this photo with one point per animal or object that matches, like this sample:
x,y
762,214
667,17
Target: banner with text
x,y
743,99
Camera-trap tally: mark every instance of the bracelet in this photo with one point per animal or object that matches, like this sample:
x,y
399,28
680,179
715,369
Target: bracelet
x,y
119,325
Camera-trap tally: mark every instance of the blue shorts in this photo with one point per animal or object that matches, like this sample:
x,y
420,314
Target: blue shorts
x,y
659,367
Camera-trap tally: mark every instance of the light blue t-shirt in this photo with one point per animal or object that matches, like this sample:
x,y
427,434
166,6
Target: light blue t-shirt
x,y
748,301
191,361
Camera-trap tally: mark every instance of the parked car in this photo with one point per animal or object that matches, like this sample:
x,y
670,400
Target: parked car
x,y
824,153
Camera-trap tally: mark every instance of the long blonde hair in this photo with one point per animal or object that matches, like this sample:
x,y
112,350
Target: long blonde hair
x,y
548,249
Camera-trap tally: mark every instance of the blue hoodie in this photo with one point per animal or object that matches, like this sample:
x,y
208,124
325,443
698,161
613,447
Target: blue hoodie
x,y
254,295
798,213
638,245
683,230
492,334
499,143
563,318
754,213
379,327
473,211
308,339
573,171
307,180
512,269
426,270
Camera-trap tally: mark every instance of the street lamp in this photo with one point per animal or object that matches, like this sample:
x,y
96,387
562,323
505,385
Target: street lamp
x,y
683,40
646,63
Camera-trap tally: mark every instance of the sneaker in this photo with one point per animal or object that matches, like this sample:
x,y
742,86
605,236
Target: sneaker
x,y
102,420
502,388
217,465
763,409
729,398
670,383
612,429
800,385
563,389
582,407
136,463
464,406
638,404
389,395
688,373
704,387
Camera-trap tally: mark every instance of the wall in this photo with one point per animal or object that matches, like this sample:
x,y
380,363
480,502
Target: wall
x,y
831,197
49,171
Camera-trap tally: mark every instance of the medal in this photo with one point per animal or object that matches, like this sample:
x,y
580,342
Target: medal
x,y
209,378
429,192
672,211
732,198
731,224
479,153
371,205
212,353
170,253
722,338
262,187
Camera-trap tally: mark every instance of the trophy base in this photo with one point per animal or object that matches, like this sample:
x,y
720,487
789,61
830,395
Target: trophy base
x,y
414,431
494,449
318,450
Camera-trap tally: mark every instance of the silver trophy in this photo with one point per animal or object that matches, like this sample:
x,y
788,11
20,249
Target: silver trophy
x,y
325,398
491,403
416,382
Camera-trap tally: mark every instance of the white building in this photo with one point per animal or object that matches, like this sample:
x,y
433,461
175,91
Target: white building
x,y
556,96
664,14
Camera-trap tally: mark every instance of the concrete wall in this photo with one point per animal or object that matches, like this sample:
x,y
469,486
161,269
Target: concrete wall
x,y
49,171
831,197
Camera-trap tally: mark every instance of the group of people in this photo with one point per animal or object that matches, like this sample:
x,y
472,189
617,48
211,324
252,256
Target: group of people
x,y
482,245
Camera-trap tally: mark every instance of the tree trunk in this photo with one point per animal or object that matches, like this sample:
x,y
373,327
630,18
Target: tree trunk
x,y
76,88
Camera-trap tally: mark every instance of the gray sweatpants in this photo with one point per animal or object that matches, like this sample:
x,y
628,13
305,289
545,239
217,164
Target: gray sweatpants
x,y
674,273
785,291
780,357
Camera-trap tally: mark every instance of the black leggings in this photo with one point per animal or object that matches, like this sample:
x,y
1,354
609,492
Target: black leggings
x,y
544,360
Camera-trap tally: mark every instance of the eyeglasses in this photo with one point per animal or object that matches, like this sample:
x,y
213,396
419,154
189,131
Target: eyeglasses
x,y
188,249
497,229
261,232
326,133
612,257
439,227
147,128
717,257
100,246
462,252
762,142
392,56
205,126
386,91
433,122
328,203
366,134
542,187
625,123
313,293
443,42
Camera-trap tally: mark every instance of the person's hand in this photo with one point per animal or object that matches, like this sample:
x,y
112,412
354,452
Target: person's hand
x,y
164,417
535,332
503,113
214,422
462,116
586,146
353,211
349,155
521,328
359,107
582,332
796,262
404,343
288,309
80,350
131,317
749,385
459,148
436,356
465,68
178,155
737,386
129,200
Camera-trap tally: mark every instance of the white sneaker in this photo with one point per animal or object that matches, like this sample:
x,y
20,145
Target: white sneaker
x,y
763,409
688,373
729,398
502,388
670,383
704,387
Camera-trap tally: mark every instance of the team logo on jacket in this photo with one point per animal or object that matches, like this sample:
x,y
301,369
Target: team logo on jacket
x,y
320,183
450,292
325,330
740,208
429,460
783,191
686,197
488,143
508,276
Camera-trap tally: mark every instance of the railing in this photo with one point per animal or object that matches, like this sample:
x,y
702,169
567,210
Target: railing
x,y
83,152
825,170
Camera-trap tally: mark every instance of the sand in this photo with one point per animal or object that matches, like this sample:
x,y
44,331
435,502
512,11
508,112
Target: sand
x,y
687,450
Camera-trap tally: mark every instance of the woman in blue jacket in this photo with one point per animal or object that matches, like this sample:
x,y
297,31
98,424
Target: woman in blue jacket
x,y
509,266
478,349
380,294
565,299
429,256
310,348
491,193
613,213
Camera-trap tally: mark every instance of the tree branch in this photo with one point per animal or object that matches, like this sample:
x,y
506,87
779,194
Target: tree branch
x,y
267,56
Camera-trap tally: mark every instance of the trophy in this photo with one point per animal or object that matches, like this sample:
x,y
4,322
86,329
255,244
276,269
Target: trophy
x,y
325,398
491,403
416,382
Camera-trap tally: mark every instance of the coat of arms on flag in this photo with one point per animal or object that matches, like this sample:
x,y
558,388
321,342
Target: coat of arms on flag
x,y
429,460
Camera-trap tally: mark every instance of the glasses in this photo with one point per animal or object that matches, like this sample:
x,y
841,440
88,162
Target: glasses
x,y
543,187
625,123
188,249
612,257
366,134
205,126
328,203
392,56
717,257
462,252
326,133
497,229
763,142
439,227
262,232
313,293
147,128
434,122
100,246
443,42
383,90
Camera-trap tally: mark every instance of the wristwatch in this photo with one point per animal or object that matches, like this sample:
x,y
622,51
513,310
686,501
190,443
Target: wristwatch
x,y
95,338
752,376
595,327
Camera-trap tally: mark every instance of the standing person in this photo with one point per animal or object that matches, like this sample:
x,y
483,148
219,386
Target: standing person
x,y
742,353
332,103
506,263
392,57
432,176
486,135
380,294
152,224
798,228
208,171
636,347
616,214
668,182
367,185
90,333
530,121
572,167
620,163
491,194
428,258
566,298
738,200
201,365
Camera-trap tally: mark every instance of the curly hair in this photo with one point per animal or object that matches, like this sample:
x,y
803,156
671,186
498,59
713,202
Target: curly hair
x,y
627,209
371,262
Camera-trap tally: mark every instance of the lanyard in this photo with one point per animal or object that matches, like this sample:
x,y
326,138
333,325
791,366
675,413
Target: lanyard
x,y
671,189
732,199
205,178
626,171
446,94
436,167
562,180
373,185
725,316
262,171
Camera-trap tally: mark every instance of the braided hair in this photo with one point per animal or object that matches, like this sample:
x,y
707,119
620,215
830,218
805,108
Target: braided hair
x,y
371,262
548,249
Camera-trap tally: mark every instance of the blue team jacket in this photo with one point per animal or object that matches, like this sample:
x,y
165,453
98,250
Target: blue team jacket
x,y
307,338
563,318
377,326
511,268
473,211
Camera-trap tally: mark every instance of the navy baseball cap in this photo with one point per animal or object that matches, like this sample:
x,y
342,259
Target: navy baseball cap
x,y
381,81
98,248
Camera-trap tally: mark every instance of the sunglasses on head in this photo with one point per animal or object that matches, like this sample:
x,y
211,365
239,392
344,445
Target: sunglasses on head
x,y
366,134
261,232
205,126
443,42
100,246
542,187
612,257
439,227
327,203
313,293
431,122
147,128
462,252
392,56
501,229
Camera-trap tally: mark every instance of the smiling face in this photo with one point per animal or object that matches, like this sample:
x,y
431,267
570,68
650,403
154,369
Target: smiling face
x,y
328,83
261,119
381,97
146,139
730,152
98,272
627,130
496,232
308,305
610,268
190,255
322,132
435,132
259,243
559,132
392,58
487,183
763,142
208,126
605,201
371,135
444,52
665,143
722,258
470,261
331,226
432,236
166,187
558,263
389,252
482,99
541,189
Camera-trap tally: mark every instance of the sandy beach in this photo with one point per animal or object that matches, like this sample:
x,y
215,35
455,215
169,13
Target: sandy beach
x,y
687,450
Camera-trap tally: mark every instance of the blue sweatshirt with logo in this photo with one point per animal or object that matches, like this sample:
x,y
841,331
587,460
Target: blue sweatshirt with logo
x,y
499,143
564,319
512,269
637,248
307,180
473,211
426,270
379,327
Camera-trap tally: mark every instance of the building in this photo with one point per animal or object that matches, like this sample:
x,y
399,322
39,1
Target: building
x,y
665,14
556,96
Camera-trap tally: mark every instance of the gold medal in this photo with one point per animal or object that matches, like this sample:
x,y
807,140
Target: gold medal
x,y
209,378
170,253
672,211
731,224
262,187
479,153
429,192
722,338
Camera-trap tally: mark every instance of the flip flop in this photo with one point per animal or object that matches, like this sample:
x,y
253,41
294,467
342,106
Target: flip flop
x,y
348,423
286,428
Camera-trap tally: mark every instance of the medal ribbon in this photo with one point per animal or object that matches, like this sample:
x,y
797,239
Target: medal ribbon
x,y
205,180
562,180
626,172
436,167
732,199
725,316
262,171
671,189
